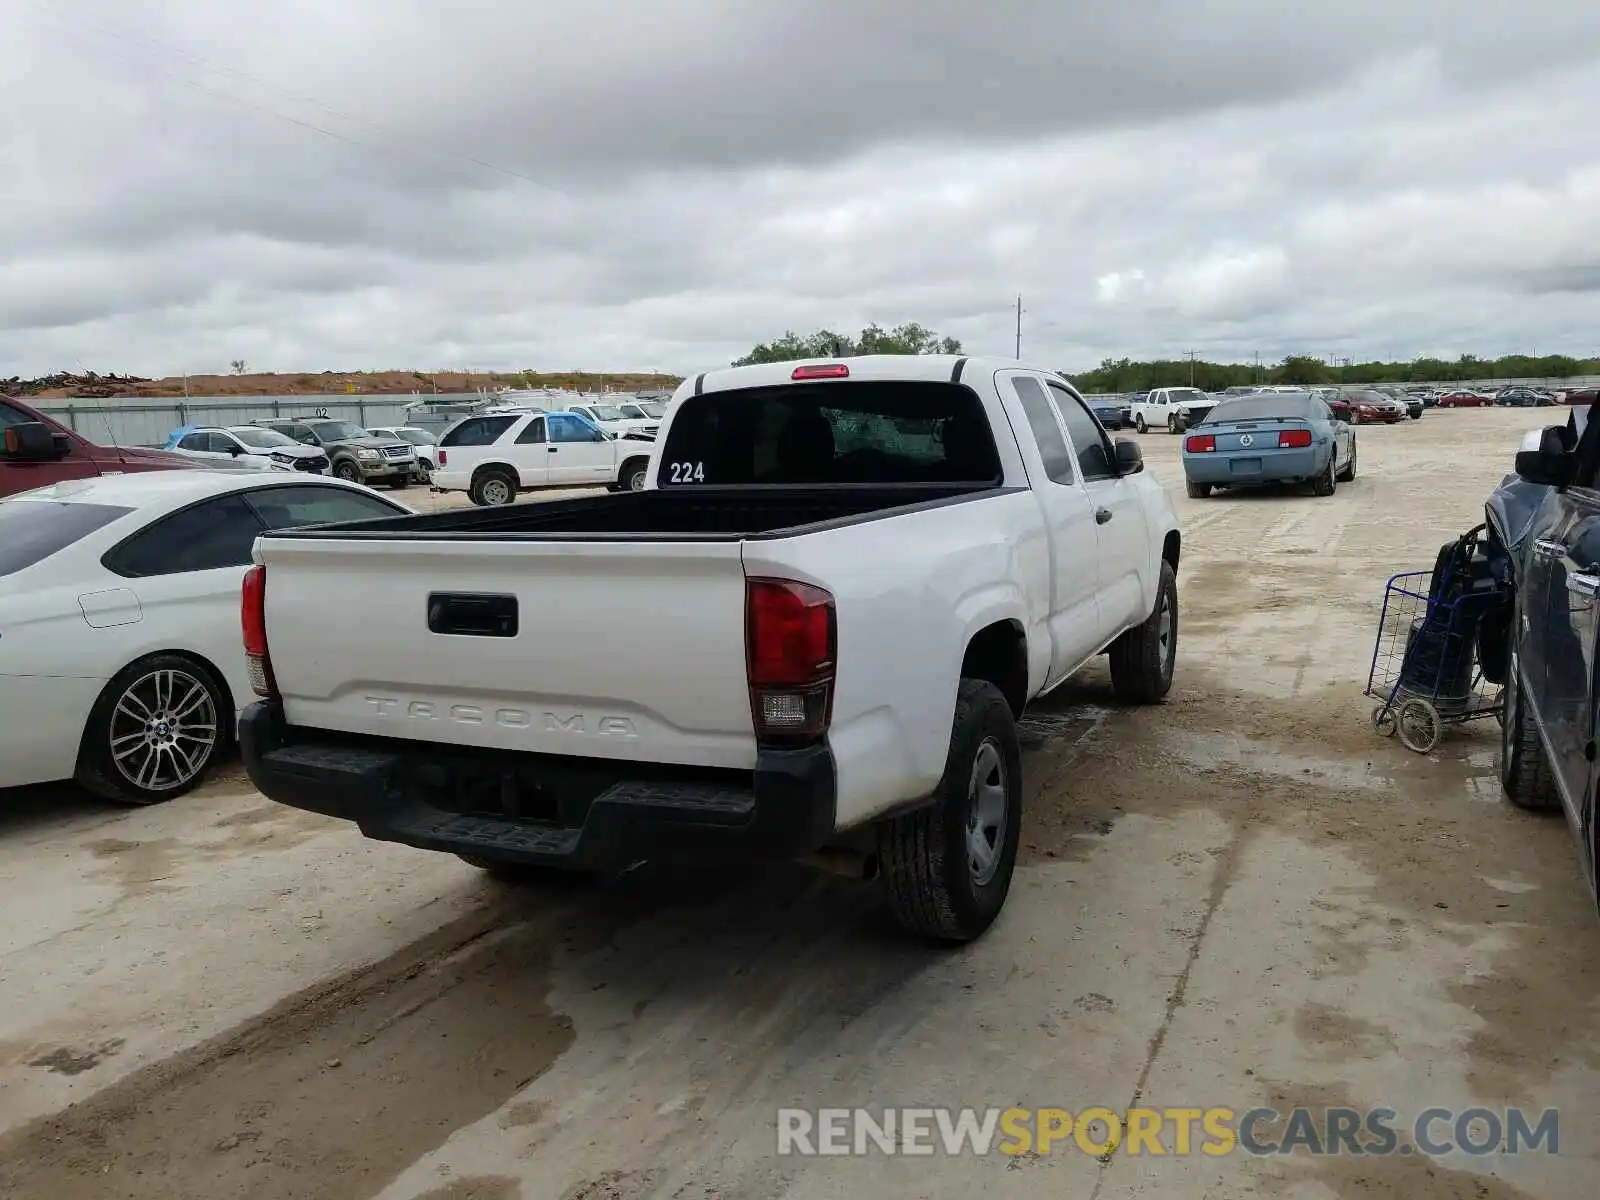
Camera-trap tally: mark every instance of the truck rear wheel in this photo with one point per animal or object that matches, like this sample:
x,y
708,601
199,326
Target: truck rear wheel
x,y
947,867
1138,423
1142,659
493,487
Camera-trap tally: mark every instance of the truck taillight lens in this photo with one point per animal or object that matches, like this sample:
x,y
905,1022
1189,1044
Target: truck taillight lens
x,y
444,457
791,641
1294,439
1201,443
253,624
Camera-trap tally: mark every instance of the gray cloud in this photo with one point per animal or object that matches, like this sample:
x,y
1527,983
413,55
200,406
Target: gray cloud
x,y
617,185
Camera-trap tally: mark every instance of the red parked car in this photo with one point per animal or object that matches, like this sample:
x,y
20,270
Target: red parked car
x,y
1465,400
1367,408
1580,396
35,451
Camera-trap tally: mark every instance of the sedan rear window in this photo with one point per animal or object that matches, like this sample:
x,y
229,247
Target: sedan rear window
x,y
32,530
867,432
1261,408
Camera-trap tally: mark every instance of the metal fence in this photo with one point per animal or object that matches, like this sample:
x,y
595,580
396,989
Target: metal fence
x,y
149,422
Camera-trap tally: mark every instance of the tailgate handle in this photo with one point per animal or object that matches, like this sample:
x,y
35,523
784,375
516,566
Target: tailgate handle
x,y
466,614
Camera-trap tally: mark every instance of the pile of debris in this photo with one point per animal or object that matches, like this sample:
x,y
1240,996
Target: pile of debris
x,y
88,385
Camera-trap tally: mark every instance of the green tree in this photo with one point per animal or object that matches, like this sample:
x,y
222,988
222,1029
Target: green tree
x,y
1301,368
909,338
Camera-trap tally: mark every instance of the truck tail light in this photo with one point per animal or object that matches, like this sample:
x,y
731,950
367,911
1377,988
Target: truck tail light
x,y
822,371
444,457
253,624
1294,439
791,643
1200,443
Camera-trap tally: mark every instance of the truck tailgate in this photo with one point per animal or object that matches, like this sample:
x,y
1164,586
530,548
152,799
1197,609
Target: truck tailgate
x,y
621,650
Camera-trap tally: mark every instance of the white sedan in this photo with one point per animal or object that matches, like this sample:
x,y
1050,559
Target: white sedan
x,y
121,663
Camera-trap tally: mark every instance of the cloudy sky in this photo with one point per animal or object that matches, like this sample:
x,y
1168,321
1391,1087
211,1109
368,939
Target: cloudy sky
x,y
620,184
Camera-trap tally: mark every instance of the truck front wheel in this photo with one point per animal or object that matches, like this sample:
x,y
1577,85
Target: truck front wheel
x,y
1142,658
947,867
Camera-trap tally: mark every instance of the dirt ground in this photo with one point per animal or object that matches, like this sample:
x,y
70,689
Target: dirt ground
x,y
1241,898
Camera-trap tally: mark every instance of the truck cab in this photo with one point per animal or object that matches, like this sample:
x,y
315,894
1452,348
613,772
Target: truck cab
x,y
36,451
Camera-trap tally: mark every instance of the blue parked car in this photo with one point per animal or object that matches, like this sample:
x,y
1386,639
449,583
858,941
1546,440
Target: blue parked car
x,y
1271,437
1113,414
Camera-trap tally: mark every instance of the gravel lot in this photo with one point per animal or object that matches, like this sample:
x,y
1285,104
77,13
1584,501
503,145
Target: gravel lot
x,y
1241,898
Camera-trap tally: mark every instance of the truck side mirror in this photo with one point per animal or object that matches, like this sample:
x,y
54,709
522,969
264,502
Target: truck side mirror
x,y
1129,458
34,441
1551,464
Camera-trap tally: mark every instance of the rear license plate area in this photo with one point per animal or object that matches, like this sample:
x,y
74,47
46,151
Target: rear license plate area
x,y
1245,466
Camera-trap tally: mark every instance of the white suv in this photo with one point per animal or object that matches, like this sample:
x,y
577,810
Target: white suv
x,y
495,457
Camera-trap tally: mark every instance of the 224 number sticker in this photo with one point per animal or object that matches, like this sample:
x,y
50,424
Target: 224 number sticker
x,y
688,472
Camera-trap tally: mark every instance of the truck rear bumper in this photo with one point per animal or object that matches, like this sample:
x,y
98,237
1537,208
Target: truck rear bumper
x,y
582,813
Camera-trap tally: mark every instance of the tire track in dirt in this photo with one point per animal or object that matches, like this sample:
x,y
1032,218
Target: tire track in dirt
x,y
330,1093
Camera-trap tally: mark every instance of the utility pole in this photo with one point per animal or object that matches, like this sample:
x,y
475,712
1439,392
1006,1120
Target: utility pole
x,y
1019,327
1190,354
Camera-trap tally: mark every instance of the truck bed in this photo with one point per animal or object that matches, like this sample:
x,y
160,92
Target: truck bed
x,y
697,514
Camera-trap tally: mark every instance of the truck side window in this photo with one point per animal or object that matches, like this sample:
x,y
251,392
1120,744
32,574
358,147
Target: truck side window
x,y
1094,452
1046,429
478,431
10,416
533,435
564,427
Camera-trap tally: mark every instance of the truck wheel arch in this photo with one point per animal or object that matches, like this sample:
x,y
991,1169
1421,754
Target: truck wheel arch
x,y
998,654
1171,547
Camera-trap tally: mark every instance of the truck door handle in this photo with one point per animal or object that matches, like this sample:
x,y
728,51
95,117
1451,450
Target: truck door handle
x,y
1102,515
1587,586
1547,549
552,449
465,614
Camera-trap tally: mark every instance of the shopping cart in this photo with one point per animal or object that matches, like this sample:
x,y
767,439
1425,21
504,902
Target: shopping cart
x,y
1425,670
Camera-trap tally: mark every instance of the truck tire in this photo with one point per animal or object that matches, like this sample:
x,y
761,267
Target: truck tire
x,y
947,867
493,486
155,732
1142,659
400,483
1524,773
1197,491
347,470
1138,423
633,475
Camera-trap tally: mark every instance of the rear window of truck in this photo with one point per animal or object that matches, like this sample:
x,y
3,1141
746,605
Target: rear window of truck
x,y
855,432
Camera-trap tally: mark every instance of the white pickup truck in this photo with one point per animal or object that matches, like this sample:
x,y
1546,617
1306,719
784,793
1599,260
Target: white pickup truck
x,y
1173,409
861,573
494,457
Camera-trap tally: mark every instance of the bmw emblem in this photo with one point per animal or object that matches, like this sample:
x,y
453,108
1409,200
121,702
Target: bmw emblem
x,y
1246,440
